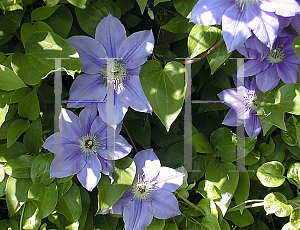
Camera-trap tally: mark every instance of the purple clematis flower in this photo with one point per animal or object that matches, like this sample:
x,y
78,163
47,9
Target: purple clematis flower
x,y
150,194
269,66
243,103
241,17
127,55
81,147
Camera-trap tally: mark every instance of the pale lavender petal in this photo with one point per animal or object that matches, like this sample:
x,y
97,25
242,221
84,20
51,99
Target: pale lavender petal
x,y
110,32
135,49
90,174
69,162
164,205
107,167
283,22
169,179
296,22
291,59
147,163
137,215
253,125
118,207
85,89
267,79
69,125
210,12
286,8
231,118
135,95
98,127
263,24
55,147
119,112
288,73
87,116
90,52
235,29
229,96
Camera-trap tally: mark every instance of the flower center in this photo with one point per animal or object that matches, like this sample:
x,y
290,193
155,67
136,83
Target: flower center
x,y
251,101
276,55
141,189
114,74
89,144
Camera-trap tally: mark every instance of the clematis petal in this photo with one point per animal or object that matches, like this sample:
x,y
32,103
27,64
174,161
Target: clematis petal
x,y
263,24
55,142
288,73
169,179
135,96
231,118
286,8
118,207
69,125
229,96
208,13
253,125
255,66
164,205
90,174
137,214
267,79
87,117
85,89
68,162
98,127
119,112
135,49
90,52
147,163
235,29
110,32
292,58
107,167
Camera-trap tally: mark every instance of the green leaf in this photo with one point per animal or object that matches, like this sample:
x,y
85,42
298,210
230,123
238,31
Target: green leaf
x,y
242,191
164,88
272,105
3,112
170,226
44,197
241,220
293,174
295,218
292,134
51,3
139,132
142,5
219,56
270,174
130,20
277,203
8,5
208,207
30,220
289,226
10,22
200,143
297,46
18,127
9,224
109,194
33,137
252,158
208,190
35,64
178,24
20,167
225,177
78,3
16,150
156,224
201,38
209,223
105,222
90,17
40,170
266,149
43,12
70,204
3,186
159,1
29,28
9,80
61,21
86,202
184,7
29,107
16,193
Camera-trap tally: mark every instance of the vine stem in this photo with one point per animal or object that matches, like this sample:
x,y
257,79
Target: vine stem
x,y
206,53
187,201
261,203
22,214
126,130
